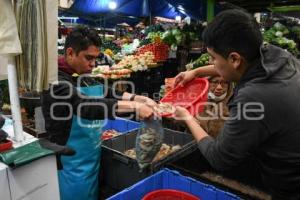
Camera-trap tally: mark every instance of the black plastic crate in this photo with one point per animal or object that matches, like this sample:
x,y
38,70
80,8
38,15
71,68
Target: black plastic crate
x,y
121,171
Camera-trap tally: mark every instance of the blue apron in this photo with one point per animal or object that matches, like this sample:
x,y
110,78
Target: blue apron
x,y
78,180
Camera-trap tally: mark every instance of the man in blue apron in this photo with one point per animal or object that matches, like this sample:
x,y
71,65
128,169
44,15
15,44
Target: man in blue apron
x,y
74,109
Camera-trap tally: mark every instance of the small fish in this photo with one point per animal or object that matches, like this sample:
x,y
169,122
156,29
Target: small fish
x,y
148,143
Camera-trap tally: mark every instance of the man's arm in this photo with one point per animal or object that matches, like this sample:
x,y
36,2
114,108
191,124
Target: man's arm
x,y
94,108
197,131
238,139
184,77
126,96
208,70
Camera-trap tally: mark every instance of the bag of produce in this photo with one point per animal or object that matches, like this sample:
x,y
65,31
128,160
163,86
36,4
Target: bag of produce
x,y
148,142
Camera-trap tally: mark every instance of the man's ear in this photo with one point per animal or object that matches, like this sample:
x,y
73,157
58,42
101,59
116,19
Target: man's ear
x,y
70,52
235,59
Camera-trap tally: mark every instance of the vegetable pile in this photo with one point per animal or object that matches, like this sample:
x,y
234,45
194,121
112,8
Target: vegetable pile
x,y
277,35
201,61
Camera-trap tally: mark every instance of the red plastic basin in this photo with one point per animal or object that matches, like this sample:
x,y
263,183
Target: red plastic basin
x,y
192,96
169,195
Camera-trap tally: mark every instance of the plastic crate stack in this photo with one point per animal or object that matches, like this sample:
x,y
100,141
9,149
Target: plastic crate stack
x,y
169,179
160,50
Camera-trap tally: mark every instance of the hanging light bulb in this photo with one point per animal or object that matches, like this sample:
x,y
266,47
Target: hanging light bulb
x,y
178,18
112,5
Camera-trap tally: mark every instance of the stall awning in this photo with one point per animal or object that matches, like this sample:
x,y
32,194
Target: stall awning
x,y
139,8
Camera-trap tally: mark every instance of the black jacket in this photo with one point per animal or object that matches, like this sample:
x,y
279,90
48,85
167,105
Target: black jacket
x,y
59,129
274,140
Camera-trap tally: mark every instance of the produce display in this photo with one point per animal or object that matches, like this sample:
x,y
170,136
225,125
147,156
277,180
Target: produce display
x,y
159,50
173,37
108,73
109,134
126,66
201,61
118,57
164,151
277,35
108,44
135,63
109,52
154,28
186,35
193,32
155,36
128,49
145,41
296,31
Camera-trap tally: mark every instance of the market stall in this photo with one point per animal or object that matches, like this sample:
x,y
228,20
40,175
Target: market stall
x,y
164,48
144,45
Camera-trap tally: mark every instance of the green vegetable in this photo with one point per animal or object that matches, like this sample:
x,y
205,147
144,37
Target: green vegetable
x,y
277,35
175,31
169,38
154,35
154,28
145,41
107,44
201,61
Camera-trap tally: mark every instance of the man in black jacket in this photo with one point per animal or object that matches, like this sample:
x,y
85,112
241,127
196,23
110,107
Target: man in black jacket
x,y
81,51
264,116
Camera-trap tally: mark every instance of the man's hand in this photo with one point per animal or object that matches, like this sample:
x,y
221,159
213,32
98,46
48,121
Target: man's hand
x,y
182,114
184,77
145,100
143,111
139,98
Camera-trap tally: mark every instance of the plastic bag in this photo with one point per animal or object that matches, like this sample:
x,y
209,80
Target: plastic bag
x,y
24,154
148,142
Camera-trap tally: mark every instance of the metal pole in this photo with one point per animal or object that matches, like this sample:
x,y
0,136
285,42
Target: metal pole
x,y
150,14
210,10
14,99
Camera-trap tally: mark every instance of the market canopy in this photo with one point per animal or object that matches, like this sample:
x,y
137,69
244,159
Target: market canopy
x,y
140,8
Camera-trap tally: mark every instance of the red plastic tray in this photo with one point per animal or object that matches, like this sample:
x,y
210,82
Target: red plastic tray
x,y
192,96
6,146
167,194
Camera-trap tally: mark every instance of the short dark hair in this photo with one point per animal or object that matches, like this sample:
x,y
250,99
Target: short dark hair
x,y
234,31
81,38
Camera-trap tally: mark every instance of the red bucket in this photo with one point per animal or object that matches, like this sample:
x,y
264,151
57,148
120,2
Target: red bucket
x,y
7,145
169,195
192,96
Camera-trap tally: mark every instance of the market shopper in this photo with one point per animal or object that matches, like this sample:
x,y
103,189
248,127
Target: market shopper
x,y
216,111
264,116
74,111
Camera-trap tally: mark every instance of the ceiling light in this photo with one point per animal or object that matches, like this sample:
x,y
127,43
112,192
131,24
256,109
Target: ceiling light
x,y
178,18
112,5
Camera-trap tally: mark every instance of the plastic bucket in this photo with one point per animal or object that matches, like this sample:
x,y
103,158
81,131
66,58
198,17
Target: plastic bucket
x,y
169,195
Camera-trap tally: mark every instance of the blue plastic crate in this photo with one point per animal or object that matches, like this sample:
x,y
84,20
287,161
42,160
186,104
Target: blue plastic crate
x,y
170,179
121,125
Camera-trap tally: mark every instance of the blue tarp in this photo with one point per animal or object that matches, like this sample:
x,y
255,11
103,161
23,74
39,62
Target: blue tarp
x,y
108,21
142,8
